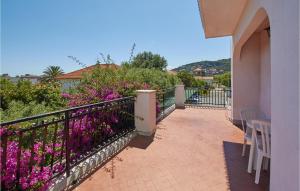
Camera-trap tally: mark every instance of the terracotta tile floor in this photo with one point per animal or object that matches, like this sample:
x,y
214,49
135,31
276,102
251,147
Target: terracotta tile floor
x,y
193,149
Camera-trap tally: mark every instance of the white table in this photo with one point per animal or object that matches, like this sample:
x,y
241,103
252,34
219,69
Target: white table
x,y
253,151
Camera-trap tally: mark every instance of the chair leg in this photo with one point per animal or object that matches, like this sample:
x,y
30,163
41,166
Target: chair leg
x,y
258,167
244,147
266,164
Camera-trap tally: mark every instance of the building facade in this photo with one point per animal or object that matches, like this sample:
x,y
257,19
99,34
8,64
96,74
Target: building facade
x,y
265,71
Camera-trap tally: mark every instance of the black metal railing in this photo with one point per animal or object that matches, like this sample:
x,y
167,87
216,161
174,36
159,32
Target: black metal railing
x,y
55,142
164,100
207,97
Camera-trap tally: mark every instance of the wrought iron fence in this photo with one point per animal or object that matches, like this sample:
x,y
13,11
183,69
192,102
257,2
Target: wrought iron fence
x,y
48,145
164,100
207,97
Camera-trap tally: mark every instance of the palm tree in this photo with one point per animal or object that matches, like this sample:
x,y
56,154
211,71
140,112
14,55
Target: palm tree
x,y
52,72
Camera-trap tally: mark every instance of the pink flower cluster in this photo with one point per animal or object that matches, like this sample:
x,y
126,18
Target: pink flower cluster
x,y
90,95
83,133
34,179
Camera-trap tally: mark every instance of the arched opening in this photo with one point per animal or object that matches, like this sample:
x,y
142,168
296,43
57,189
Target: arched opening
x,y
252,66
251,69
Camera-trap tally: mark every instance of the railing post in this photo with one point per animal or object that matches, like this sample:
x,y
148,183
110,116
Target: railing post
x,y
145,112
179,96
67,137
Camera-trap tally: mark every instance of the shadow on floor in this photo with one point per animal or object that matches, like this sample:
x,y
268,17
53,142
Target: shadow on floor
x,y
238,177
239,126
141,142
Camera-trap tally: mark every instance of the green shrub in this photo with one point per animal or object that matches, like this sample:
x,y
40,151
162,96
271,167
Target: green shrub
x,y
128,79
49,94
7,92
223,79
24,91
189,81
186,78
24,99
156,79
18,109
148,60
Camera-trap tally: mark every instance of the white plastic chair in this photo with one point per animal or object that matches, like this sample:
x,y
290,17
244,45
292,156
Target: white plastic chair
x,y
247,115
263,145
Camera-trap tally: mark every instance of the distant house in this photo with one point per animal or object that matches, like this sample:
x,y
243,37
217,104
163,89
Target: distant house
x,y
34,79
71,79
199,71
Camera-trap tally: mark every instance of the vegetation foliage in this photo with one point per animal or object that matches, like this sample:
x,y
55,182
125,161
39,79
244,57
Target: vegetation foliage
x,y
143,71
189,81
24,99
107,83
223,79
51,72
148,60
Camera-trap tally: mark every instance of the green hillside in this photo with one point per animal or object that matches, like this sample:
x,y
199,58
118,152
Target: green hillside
x,y
223,64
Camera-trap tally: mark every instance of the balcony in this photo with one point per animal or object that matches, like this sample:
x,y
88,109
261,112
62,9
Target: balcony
x,y
117,145
192,149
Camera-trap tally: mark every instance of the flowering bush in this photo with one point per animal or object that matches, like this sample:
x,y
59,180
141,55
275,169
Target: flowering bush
x,y
102,85
32,175
87,130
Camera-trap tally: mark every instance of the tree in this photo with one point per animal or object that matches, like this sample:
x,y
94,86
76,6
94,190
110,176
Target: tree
x,y
149,60
186,78
24,91
7,92
51,72
223,79
200,84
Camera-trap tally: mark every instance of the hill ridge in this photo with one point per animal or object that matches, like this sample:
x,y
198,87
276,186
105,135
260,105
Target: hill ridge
x,y
220,65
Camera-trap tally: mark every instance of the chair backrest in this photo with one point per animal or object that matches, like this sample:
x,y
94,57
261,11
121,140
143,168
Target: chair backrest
x,y
264,128
250,114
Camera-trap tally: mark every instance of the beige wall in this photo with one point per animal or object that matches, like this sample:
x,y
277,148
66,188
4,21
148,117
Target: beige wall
x,y
252,75
265,74
246,76
285,92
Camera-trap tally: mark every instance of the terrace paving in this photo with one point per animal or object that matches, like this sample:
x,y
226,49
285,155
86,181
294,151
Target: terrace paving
x,y
192,150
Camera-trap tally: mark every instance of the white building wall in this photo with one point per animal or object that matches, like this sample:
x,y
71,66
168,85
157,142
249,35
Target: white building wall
x,y
246,77
285,87
265,74
68,83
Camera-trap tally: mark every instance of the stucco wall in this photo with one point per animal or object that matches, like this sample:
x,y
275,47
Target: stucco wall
x,y
265,74
246,76
284,22
252,75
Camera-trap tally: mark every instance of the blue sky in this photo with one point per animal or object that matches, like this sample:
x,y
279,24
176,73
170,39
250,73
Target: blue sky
x,y
39,33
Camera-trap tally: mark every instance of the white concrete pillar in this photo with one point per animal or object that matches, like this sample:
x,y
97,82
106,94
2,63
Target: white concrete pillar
x,y
145,112
179,96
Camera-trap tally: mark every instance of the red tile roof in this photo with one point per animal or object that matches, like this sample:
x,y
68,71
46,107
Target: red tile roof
x,y
78,74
